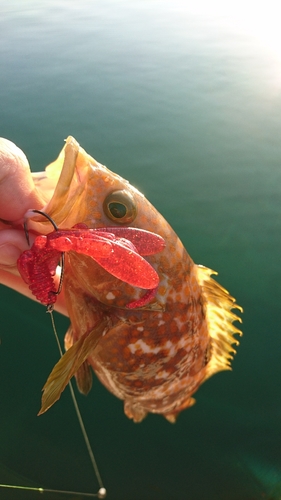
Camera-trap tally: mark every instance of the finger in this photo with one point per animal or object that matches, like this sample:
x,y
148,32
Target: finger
x,y
17,189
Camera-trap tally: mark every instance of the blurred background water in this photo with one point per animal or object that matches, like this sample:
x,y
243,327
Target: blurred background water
x,y
184,101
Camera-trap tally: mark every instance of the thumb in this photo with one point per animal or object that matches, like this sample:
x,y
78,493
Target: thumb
x,y
17,189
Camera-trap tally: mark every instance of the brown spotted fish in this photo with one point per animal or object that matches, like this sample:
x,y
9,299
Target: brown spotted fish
x,y
156,354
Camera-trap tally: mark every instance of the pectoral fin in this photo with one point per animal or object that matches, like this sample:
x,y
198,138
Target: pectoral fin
x,y
84,378
69,364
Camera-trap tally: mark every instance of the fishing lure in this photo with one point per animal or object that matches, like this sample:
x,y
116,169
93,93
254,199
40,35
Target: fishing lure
x,y
118,250
157,353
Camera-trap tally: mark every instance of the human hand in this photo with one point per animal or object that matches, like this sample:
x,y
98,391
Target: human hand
x,y
17,195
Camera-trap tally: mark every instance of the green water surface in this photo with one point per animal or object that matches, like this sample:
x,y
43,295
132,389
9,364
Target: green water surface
x,y
187,107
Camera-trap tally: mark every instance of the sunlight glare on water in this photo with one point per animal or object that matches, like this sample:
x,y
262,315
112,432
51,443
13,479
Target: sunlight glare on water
x,y
258,21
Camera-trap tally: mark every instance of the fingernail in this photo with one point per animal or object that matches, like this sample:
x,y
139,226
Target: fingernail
x,y
9,254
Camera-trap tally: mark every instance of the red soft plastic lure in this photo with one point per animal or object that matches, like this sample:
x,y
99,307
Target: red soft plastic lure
x,y
118,250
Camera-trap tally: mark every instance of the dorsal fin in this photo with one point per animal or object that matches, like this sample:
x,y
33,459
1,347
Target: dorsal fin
x,y
220,318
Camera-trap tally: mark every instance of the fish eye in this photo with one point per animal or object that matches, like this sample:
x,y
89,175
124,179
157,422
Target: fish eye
x,y
120,207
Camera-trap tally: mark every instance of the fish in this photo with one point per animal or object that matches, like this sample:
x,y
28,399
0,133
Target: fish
x,y
153,356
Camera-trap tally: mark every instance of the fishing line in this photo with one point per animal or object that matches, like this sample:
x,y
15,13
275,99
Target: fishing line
x,y
102,491
63,492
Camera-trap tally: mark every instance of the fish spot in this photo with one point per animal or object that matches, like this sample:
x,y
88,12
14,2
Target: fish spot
x,y
140,345
110,296
162,374
127,352
162,290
